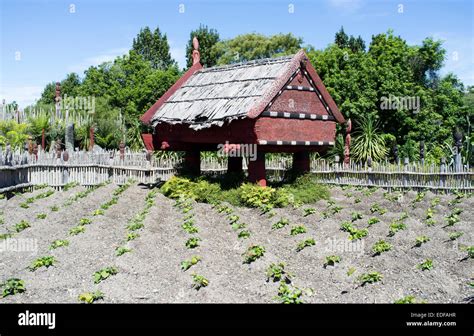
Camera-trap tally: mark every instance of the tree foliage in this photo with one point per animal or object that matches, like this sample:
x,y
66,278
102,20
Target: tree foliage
x,y
255,46
207,39
154,48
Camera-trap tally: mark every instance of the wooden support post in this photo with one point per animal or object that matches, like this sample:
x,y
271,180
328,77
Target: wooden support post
x,y
234,164
192,162
301,163
256,170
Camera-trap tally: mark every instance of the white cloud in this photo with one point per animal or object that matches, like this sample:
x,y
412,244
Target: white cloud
x,y
105,56
23,95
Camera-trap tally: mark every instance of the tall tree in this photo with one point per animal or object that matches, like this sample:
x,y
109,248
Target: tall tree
x,y
341,39
154,48
69,86
207,39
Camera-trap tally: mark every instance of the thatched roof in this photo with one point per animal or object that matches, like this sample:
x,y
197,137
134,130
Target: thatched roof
x,y
212,96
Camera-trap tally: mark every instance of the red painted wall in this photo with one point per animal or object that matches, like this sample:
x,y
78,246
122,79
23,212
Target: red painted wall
x,y
294,129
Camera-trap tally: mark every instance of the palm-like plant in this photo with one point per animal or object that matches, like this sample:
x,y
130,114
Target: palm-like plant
x,y
37,124
368,142
14,133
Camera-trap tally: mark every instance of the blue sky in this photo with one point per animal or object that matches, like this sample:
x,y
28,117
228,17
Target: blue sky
x,y
41,41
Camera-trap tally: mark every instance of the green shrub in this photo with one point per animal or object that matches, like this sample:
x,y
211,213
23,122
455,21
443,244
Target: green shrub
x,y
395,227
380,247
305,243
253,253
41,216
121,250
426,265
421,240
277,273
42,262
331,260
373,221
199,281
370,277
281,223
104,273
76,230
288,294
185,265
90,297
22,225
12,286
192,242
295,230
59,243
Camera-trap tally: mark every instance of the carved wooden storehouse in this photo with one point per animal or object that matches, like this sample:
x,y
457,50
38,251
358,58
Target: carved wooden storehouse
x,y
278,104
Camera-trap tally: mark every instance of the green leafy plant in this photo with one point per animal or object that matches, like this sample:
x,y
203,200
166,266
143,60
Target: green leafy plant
x,y
104,274
395,227
288,294
332,260
435,201
309,211
239,226
277,273
418,198
84,221
375,208
54,208
91,297
373,220
41,216
42,262
244,234
403,216
426,265
233,219
354,233
5,236
357,200
409,299
280,224
12,286
121,250
368,141
22,225
192,242
295,230
77,230
421,240
253,253
132,236
199,281
59,243
355,216
380,247
305,243
370,277
189,227
455,235
452,219
24,205
98,212
187,264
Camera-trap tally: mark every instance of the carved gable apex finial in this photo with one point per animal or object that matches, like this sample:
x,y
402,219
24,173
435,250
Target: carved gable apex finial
x,y
196,54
